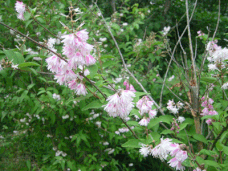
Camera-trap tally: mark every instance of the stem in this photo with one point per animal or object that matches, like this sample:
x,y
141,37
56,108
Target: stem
x,y
33,41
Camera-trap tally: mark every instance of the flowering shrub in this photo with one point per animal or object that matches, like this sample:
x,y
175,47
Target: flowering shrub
x,y
90,105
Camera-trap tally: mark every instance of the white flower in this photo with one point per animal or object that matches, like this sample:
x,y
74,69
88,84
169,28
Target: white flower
x,y
162,150
181,119
130,164
65,117
225,86
49,136
22,120
58,153
212,67
117,132
14,66
125,24
144,150
111,151
105,143
37,58
121,14
171,78
165,30
56,96
64,154
98,123
144,122
103,39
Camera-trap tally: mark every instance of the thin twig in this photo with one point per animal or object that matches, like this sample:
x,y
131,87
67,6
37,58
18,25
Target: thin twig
x,y
33,41
174,49
124,64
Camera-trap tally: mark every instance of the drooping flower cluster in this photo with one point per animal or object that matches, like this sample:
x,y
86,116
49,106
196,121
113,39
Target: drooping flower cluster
x,y
20,8
217,55
78,55
144,105
208,108
165,148
120,104
129,86
174,108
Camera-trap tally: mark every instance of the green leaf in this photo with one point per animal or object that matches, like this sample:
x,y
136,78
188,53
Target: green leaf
x,y
208,152
15,57
182,126
28,64
166,118
107,57
133,143
93,70
28,164
27,15
200,137
153,122
211,163
138,94
209,79
167,131
27,23
3,115
155,136
93,105
132,123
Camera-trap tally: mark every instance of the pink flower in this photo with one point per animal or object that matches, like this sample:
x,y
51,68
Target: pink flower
x,y
20,8
144,105
162,150
72,85
144,121
152,114
129,86
144,150
82,35
90,60
81,90
209,121
120,104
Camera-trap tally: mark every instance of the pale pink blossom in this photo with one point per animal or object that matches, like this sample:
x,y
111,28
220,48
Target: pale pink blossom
x,y
152,114
81,90
144,121
120,104
20,8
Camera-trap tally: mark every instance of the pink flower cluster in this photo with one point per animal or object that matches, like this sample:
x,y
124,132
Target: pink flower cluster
x,y
200,33
20,8
165,148
129,86
78,55
175,127
174,108
208,108
144,105
120,104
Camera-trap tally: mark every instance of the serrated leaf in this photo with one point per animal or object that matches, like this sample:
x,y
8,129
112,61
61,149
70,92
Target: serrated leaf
x,y
133,143
93,105
166,118
167,131
153,122
28,64
200,137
